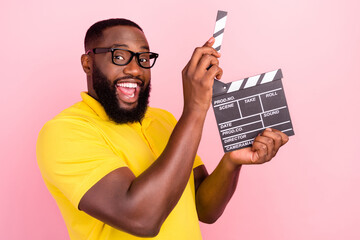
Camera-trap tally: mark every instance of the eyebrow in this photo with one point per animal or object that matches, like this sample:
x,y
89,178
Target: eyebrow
x,y
125,45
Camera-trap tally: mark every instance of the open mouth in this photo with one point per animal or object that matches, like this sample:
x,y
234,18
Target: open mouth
x,y
127,89
128,92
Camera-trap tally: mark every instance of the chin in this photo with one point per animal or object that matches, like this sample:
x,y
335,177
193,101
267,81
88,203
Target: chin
x,y
128,106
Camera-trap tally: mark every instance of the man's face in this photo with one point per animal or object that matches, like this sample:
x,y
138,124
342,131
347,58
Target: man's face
x,y
122,90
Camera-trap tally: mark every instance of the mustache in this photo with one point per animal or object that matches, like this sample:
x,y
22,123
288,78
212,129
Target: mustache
x,y
129,77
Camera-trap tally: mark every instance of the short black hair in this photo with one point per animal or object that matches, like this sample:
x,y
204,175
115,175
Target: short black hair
x,y
96,30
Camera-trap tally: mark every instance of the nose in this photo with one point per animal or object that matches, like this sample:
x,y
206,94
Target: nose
x,y
132,68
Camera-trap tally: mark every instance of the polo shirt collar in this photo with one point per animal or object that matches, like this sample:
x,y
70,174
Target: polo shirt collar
x,y
94,105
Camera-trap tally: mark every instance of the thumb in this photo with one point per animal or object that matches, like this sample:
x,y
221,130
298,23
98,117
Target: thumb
x,y
254,157
209,42
244,156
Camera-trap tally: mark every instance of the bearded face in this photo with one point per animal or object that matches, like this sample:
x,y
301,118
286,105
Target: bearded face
x,y
107,94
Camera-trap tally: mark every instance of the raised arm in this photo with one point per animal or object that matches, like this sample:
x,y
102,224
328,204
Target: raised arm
x,y
139,205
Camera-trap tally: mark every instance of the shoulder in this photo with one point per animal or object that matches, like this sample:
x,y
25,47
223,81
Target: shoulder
x,y
73,122
73,136
79,111
77,114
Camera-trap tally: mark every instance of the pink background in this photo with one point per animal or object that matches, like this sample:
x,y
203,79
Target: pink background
x,y
309,191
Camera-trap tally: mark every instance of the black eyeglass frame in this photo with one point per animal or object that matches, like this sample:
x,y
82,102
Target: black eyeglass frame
x,y
136,54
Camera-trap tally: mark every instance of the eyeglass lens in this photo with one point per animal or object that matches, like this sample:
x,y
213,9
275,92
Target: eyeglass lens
x,y
123,57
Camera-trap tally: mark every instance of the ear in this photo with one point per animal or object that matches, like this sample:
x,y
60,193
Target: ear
x,y
86,63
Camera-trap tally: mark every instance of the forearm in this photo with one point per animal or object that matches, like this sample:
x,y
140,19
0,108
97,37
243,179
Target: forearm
x,y
216,190
159,188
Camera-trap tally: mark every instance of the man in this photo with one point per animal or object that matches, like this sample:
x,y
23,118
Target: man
x,y
121,170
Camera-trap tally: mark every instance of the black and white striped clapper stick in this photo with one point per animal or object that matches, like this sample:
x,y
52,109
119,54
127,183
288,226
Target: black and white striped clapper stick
x,y
219,87
254,81
219,29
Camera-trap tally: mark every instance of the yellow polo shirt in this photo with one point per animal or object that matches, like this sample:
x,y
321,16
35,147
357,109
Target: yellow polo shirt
x,y
81,145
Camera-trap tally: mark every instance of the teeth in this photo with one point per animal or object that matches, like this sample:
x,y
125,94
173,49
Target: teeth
x,y
132,95
127,85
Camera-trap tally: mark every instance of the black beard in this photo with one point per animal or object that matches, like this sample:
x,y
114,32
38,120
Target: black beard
x,y
106,93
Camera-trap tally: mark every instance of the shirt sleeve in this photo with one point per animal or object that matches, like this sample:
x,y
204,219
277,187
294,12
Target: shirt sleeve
x,y
73,156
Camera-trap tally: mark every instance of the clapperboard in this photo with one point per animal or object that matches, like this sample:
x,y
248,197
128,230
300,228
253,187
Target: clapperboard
x,y
244,108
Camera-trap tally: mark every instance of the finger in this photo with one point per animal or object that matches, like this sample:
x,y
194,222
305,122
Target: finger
x,y
207,61
284,137
201,74
270,146
260,152
215,72
276,137
199,52
219,74
243,156
209,42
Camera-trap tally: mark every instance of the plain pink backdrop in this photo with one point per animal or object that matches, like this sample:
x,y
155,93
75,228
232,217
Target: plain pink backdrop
x,y
309,191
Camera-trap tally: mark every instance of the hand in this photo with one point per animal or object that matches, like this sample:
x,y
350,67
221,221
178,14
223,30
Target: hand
x,y
198,78
264,148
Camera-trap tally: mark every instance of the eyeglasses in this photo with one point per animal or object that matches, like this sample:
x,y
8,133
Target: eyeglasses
x,y
122,57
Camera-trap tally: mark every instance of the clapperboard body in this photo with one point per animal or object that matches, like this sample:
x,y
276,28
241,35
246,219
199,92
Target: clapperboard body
x,y
244,108
250,105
